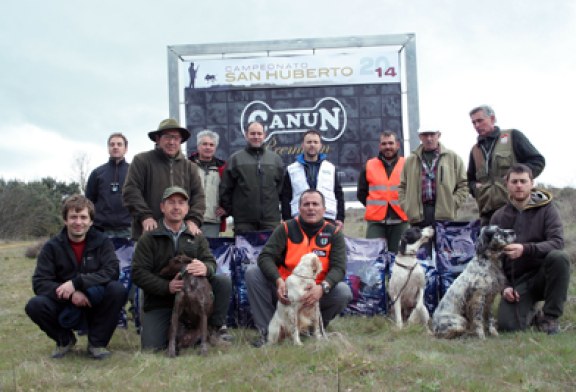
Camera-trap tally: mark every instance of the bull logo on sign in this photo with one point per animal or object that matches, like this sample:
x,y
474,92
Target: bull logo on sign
x,y
328,116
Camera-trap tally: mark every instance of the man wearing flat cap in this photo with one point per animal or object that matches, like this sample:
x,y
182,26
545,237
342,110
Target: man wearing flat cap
x,y
153,171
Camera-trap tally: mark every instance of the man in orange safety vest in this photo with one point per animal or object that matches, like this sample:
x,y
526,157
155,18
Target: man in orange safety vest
x,y
378,191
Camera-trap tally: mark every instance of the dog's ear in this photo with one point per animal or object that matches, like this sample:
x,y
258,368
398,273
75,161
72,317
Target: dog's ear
x,y
402,245
485,237
412,235
488,232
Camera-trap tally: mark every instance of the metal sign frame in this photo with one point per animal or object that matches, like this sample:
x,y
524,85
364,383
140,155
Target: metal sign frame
x,y
406,43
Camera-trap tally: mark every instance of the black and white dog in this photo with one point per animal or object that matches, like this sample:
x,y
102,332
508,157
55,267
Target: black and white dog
x,y
408,280
467,305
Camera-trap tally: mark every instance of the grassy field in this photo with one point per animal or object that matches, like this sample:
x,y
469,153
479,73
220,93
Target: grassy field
x,y
362,354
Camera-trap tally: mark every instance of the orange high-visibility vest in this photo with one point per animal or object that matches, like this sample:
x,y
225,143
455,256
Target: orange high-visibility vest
x,y
298,244
382,191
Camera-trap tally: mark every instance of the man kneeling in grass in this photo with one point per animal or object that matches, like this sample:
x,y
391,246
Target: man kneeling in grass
x,y
76,285
536,267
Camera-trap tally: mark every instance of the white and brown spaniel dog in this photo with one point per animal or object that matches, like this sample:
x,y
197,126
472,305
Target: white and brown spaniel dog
x,y
408,280
291,319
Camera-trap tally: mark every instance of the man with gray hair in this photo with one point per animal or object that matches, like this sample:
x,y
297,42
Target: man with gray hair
x,y
210,170
490,158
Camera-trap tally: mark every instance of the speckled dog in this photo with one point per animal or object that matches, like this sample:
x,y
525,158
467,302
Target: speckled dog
x,y
467,305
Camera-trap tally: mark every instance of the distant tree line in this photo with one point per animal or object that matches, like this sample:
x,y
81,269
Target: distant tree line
x,y
32,209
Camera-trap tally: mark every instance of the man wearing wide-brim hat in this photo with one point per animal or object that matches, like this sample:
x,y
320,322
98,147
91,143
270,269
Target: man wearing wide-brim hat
x,y
153,171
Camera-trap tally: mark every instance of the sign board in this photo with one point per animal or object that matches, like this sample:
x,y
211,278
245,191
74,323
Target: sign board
x,y
349,95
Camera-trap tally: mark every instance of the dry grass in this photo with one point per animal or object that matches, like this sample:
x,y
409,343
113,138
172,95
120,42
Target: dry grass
x,y
366,354
363,354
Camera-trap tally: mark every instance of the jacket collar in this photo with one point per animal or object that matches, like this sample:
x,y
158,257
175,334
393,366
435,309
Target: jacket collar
x,y
391,162
300,158
420,150
255,150
491,136
194,157
94,238
162,230
158,151
113,161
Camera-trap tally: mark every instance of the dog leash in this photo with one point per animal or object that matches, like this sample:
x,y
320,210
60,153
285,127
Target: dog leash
x,y
411,269
516,304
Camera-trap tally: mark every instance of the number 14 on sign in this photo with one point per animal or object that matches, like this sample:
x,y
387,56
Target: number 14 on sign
x,y
390,71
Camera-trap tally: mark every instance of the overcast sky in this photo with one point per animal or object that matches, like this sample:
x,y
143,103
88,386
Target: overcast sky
x,y
72,72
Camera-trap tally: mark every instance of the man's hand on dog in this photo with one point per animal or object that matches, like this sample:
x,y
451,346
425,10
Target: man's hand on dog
x,y
282,292
313,295
195,268
514,251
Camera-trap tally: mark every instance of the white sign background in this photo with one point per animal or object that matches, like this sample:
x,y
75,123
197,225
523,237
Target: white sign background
x,y
364,66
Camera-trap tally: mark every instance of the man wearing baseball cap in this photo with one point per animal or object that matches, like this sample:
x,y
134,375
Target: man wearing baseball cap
x,y
433,181
162,167
155,248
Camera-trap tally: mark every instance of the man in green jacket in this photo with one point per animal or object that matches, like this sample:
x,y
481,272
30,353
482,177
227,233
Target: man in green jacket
x,y
155,248
251,184
433,182
153,171
490,158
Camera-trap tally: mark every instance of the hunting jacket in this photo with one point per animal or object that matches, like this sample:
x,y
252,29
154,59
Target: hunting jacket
x,y
149,175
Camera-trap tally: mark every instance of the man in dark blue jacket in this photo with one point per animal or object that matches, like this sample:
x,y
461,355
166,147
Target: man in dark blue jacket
x,y
104,189
75,283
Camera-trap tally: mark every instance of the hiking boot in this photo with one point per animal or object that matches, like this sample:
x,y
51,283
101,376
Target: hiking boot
x,y
224,335
548,324
260,341
98,352
61,351
217,338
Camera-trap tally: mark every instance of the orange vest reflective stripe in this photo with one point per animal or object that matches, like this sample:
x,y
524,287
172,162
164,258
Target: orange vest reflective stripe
x,y
382,191
298,244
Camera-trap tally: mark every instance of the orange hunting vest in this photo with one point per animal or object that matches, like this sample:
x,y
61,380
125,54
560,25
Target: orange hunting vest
x,y
298,244
383,191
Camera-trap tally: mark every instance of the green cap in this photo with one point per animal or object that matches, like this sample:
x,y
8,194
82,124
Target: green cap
x,y
174,190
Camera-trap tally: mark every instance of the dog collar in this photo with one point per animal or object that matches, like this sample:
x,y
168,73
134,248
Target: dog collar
x,y
303,276
409,268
